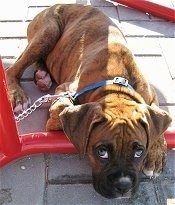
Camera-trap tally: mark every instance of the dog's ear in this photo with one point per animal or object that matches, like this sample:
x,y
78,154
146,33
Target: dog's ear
x,y
78,121
156,120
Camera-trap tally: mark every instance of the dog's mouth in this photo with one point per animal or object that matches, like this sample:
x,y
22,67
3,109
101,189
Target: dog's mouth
x,y
111,186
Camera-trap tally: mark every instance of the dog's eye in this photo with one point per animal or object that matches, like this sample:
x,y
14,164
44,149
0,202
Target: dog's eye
x,y
138,150
102,152
138,153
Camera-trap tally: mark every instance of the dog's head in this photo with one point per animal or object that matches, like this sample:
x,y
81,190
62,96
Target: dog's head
x,y
116,137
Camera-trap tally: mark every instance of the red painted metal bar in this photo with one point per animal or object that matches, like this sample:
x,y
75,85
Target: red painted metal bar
x,y
150,7
170,138
14,146
41,142
9,140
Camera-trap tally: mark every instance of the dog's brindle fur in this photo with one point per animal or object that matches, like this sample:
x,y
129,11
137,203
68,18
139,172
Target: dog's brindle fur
x,y
120,130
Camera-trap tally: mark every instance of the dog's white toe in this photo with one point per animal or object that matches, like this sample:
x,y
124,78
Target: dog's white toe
x,y
151,173
20,107
156,174
148,173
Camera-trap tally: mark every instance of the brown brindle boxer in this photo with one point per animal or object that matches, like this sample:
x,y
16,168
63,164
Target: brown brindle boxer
x,y
112,113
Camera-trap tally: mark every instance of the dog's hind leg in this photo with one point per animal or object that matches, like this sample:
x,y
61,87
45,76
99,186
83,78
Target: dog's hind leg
x,y
42,77
43,33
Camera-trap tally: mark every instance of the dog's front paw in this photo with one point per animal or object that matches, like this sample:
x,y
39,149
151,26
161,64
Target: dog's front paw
x,y
19,100
156,159
56,108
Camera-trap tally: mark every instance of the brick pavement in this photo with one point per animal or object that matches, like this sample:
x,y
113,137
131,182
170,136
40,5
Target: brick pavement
x,y
64,179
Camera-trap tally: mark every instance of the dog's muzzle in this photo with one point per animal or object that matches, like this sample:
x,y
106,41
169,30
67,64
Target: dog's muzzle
x,y
113,184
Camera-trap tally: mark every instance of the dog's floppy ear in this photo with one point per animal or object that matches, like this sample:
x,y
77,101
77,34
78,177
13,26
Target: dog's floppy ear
x,y
155,119
78,121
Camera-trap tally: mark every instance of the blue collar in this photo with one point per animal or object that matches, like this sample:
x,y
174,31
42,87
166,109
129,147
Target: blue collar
x,y
117,80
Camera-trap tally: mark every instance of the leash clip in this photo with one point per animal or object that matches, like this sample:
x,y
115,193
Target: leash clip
x,y
120,81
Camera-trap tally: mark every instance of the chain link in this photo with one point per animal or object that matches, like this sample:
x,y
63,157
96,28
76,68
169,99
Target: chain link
x,y
38,103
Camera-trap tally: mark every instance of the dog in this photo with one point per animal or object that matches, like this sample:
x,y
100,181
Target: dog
x,y
109,112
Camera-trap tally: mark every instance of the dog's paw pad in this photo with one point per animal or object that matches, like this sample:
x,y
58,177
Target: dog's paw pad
x,y
43,80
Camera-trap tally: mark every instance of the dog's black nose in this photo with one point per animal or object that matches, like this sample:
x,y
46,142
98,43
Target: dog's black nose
x,y
123,184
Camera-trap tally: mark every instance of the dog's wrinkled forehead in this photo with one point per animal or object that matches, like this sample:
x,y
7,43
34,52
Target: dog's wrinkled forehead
x,y
119,134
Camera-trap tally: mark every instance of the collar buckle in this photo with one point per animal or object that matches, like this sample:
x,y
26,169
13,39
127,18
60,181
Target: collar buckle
x,y
120,81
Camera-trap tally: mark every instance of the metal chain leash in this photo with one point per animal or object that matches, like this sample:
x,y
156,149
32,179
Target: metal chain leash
x,y
38,103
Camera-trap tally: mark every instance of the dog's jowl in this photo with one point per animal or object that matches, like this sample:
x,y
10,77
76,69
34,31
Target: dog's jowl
x,y
111,113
